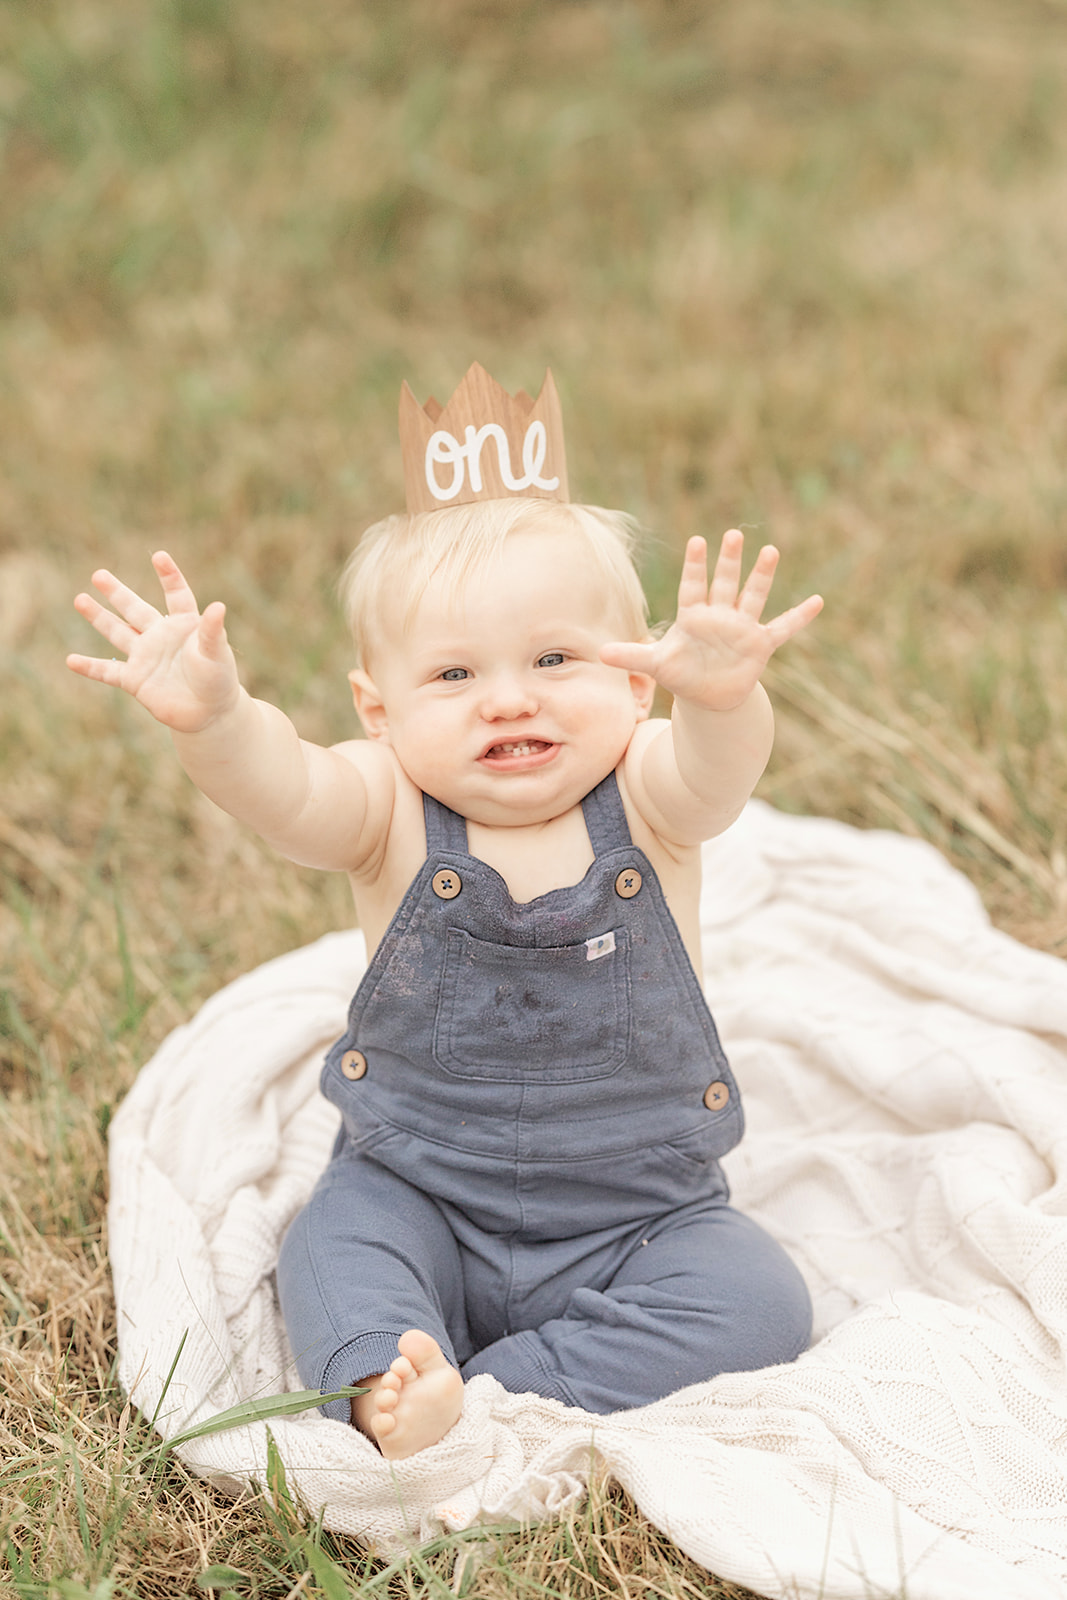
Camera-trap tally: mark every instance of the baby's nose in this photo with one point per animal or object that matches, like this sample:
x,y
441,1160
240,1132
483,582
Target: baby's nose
x,y
508,696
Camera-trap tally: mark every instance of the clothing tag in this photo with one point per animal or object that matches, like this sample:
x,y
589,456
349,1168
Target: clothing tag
x,y
602,945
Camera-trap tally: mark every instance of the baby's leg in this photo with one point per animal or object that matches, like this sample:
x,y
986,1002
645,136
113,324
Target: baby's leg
x,y
371,1288
703,1291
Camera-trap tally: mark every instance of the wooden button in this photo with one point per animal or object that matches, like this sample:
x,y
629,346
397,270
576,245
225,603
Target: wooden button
x,y
627,883
716,1095
446,884
353,1064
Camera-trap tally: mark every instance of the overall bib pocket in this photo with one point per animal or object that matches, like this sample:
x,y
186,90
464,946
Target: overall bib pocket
x,y
517,1013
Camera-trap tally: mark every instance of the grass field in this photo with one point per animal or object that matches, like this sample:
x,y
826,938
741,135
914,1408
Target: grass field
x,y
797,265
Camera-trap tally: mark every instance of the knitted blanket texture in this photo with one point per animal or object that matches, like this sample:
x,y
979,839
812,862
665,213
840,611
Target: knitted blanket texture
x,y
904,1071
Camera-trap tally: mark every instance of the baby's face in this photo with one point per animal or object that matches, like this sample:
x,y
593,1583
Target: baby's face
x,y
495,699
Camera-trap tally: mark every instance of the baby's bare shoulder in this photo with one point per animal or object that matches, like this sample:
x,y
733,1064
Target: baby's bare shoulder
x,y
649,828
394,832
372,759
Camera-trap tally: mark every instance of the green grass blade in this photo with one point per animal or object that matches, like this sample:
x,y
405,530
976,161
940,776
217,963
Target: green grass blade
x,y
265,1409
218,1577
328,1575
170,1376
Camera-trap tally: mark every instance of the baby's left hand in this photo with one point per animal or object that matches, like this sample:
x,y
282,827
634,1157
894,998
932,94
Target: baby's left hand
x,y
715,651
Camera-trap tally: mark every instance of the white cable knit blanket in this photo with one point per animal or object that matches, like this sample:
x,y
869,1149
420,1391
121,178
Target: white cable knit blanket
x,y
904,1068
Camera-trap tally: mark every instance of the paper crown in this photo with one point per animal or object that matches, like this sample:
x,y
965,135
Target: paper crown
x,y
485,444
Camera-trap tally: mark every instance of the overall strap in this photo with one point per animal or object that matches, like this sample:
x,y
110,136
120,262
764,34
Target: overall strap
x,y
445,829
605,819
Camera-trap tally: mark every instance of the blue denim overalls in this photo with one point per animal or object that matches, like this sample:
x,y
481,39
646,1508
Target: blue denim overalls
x,y
534,1100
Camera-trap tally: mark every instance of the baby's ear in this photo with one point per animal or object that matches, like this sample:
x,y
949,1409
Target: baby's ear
x,y
643,689
370,707
643,686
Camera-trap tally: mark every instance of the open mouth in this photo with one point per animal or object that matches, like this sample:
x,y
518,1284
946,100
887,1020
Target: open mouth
x,y
515,751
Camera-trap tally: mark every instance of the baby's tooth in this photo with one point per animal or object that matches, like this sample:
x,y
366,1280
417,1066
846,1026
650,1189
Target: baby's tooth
x,y
516,748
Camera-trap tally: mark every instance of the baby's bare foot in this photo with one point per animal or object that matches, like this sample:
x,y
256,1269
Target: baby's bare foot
x,y
414,1404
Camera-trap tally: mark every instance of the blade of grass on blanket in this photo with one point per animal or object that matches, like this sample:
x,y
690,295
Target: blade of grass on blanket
x,y
266,1409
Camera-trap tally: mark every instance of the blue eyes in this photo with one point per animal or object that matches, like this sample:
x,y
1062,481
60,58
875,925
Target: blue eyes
x,y
551,658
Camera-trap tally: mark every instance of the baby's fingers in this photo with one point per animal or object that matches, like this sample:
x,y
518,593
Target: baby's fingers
x,y
693,583
726,579
126,601
176,590
793,620
630,657
113,628
753,596
211,633
109,672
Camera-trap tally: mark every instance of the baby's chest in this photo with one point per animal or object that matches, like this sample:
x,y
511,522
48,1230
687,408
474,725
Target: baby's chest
x,y
533,862
523,872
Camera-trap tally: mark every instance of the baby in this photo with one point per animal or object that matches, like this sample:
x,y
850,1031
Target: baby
x,y
534,1099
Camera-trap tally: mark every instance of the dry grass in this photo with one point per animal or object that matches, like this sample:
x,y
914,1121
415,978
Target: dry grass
x,y
797,265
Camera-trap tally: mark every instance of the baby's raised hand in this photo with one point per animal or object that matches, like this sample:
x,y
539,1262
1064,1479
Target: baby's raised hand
x,y
178,665
715,651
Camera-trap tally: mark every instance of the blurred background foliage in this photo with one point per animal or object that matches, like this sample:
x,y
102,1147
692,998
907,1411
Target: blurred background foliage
x,y
797,265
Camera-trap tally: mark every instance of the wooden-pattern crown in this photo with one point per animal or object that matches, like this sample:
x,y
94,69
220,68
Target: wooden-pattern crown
x,y
485,444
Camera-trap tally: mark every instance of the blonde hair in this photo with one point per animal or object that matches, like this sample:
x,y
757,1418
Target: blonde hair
x,y
396,558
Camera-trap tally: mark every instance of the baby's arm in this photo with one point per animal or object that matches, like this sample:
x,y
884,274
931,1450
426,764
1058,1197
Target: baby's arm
x,y
692,778
323,808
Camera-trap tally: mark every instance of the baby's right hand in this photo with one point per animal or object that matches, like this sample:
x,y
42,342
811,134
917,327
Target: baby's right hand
x,y
179,666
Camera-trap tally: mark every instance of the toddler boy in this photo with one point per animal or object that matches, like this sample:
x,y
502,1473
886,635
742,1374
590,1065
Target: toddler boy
x,y
534,1099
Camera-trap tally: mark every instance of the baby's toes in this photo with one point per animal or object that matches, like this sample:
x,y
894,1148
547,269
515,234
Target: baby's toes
x,y
382,1424
401,1368
387,1398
